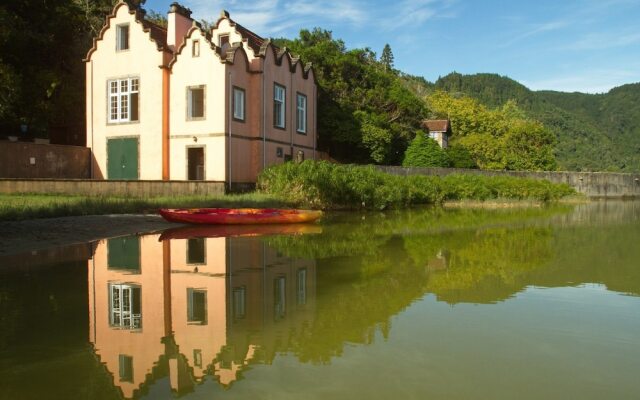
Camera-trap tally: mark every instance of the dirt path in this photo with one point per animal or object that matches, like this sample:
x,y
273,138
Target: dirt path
x,y
23,236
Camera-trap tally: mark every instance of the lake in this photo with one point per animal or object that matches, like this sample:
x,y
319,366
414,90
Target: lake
x,y
429,303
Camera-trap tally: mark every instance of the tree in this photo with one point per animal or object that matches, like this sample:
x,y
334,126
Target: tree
x,y
425,152
460,157
386,59
366,113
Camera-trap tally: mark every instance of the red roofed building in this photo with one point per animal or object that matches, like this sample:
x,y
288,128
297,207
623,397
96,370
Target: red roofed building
x,y
439,130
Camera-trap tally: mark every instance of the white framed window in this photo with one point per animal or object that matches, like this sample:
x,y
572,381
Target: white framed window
x,y
223,42
238,103
122,37
123,99
196,306
301,113
125,311
302,287
195,102
195,48
279,298
279,106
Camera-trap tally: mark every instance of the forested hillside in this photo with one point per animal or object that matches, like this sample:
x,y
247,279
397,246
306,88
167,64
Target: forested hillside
x,y
594,131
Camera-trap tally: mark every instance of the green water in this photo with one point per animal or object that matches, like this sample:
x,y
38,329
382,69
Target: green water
x,y
456,304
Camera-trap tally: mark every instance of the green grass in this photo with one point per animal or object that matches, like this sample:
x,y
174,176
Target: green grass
x,y
30,206
331,186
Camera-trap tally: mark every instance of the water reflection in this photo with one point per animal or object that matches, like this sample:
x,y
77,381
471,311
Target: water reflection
x,y
188,308
416,302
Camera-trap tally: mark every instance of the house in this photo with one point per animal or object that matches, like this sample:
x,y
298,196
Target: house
x,y
439,130
185,103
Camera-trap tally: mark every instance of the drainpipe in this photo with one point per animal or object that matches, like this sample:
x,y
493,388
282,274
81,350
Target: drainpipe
x,y
229,119
91,114
291,119
315,120
165,124
264,120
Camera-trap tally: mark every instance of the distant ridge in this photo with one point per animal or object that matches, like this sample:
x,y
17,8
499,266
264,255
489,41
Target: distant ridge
x,y
598,132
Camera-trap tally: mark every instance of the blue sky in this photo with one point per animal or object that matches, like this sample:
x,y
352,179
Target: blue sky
x,y
567,45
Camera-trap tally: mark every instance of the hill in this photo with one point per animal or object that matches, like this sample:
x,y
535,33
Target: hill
x,y
599,132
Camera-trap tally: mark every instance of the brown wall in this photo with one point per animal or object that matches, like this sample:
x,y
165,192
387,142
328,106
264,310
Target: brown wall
x,y
50,161
111,187
591,184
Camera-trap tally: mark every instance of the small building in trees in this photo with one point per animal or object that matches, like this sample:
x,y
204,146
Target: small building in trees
x,y
187,103
439,130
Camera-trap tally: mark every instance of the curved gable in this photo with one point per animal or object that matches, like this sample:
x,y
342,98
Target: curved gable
x,y
157,34
203,34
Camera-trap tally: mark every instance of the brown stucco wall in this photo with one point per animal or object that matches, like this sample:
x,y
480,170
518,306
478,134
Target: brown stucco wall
x,y
50,161
591,184
111,187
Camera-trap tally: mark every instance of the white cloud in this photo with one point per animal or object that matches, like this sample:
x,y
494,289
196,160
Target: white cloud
x,y
537,29
588,81
599,41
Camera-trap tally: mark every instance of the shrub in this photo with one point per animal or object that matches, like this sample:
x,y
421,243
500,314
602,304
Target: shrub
x,y
331,186
425,152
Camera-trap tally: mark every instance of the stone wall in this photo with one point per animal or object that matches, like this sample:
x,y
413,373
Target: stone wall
x,y
111,187
30,160
591,184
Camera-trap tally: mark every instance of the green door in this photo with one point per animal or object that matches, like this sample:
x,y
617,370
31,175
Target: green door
x,y
124,253
122,158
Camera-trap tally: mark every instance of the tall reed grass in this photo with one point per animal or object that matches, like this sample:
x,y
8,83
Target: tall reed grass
x,y
331,186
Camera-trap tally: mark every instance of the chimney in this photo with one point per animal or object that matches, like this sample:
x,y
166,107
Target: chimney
x,y
178,24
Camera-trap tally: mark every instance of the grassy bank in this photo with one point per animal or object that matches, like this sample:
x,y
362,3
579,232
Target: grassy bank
x,y
21,207
331,186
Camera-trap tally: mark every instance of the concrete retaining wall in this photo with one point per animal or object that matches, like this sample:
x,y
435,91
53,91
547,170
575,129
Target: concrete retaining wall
x,y
591,184
111,188
30,160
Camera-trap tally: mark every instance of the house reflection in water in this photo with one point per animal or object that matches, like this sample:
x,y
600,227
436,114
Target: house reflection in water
x,y
190,308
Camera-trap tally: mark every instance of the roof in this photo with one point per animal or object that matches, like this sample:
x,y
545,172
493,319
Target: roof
x,y
254,40
157,33
436,125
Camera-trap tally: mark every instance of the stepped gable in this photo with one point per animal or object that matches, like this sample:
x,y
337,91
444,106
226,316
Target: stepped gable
x,y
157,34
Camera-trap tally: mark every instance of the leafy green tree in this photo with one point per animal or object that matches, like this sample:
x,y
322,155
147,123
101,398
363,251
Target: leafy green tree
x,y
460,157
386,58
501,138
366,112
425,152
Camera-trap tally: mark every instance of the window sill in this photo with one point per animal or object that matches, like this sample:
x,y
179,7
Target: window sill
x,y
282,128
123,123
238,119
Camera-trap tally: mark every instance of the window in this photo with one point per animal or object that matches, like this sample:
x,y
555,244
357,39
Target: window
x,y
302,287
300,156
124,99
223,42
124,253
279,298
197,358
122,37
125,364
125,306
279,152
301,114
238,104
195,48
433,135
278,106
239,307
195,102
197,306
196,251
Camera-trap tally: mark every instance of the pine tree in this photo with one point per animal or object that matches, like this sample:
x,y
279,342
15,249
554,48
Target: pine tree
x,y
387,57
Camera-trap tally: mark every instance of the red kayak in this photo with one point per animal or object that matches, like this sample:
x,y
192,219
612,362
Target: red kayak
x,y
234,216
